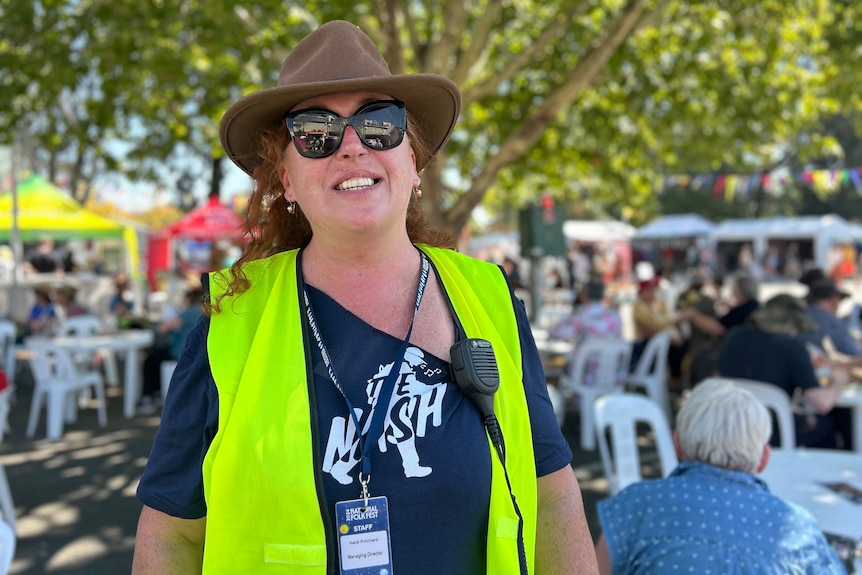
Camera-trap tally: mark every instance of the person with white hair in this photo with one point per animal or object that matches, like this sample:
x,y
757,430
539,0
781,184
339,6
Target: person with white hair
x,y
712,511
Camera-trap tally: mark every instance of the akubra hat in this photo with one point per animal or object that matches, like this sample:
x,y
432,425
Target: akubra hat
x,y
337,57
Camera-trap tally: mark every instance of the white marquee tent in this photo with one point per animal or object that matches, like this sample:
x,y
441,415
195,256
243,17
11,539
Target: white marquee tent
x,y
597,230
675,226
823,231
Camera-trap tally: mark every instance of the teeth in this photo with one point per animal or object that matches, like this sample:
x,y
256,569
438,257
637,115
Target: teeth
x,y
355,184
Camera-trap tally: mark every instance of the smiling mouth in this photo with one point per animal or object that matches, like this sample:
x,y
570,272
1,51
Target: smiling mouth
x,y
355,184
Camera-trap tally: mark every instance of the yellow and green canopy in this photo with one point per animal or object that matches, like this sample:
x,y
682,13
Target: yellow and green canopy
x,y
46,211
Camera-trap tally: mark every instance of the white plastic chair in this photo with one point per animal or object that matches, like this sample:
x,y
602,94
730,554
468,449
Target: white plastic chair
x,y
8,348
558,402
91,325
612,356
6,398
7,546
57,382
778,402
7,507
650,373
620,414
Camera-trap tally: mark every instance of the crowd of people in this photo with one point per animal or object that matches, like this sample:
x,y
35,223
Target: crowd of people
x,y
350,337
800,345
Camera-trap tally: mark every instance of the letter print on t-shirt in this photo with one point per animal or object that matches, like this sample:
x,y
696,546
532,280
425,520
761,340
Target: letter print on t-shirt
x,y
416,405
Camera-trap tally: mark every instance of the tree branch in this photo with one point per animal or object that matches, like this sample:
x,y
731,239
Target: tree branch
x,y
479,36
550,34
532,128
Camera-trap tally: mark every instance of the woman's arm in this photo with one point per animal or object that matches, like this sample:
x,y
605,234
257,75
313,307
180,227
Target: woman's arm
x,y
563,541
166,545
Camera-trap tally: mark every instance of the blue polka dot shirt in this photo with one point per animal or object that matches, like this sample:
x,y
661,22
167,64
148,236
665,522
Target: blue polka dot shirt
x,y
710,521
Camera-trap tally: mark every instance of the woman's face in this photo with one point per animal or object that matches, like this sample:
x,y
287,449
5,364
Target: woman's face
x,y
356,189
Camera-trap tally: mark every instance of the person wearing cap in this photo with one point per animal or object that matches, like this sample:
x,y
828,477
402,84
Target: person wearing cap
x,y
712,514
823,298
767,349
322,417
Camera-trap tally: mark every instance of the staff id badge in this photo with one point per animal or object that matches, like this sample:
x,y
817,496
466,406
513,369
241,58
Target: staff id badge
x,y
363,536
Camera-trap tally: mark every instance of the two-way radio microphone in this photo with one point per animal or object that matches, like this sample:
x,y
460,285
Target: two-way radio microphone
x,y
474,368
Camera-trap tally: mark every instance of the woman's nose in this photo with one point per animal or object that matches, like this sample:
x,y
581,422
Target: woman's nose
x,y
350,143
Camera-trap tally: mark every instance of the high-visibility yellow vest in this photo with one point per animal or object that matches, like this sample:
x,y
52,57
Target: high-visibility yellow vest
x,y
262,472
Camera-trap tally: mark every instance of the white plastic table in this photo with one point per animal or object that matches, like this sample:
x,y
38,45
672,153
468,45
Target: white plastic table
x,y
129,342
799,475
852,397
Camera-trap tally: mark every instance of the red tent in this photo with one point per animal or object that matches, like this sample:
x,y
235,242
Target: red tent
x,y
210,222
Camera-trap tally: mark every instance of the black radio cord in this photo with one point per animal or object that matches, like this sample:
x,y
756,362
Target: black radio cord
x,y
496,435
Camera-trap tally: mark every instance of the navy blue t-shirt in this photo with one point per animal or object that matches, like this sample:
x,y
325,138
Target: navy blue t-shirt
x,y
432,461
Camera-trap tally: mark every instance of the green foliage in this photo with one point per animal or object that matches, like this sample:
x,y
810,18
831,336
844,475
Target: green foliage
x,y
589,101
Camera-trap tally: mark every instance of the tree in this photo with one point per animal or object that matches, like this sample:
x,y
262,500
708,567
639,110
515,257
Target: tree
x,y
589,101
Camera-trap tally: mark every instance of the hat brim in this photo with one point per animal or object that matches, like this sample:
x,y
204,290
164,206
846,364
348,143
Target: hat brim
x,y
433,100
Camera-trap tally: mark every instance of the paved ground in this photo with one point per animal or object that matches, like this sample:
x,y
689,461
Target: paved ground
x,y
75,499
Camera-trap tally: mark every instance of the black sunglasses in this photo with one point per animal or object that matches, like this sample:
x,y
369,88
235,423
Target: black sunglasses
x,y
317,132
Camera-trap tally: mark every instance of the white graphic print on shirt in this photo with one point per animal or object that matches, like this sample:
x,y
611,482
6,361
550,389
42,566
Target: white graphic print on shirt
x,y
413,404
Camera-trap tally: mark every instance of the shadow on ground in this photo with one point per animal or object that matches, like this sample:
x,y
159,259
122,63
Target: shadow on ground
x,y
75,498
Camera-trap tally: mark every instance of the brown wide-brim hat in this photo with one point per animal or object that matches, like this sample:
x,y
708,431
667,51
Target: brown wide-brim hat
x,y
338,57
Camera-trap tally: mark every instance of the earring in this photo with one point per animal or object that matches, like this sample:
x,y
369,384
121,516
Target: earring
x,y
417,192
291,208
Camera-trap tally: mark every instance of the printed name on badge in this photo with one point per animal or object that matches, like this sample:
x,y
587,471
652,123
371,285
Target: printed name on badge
x,y
363,537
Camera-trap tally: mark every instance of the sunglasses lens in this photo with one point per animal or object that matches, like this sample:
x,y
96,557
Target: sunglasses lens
x,y
381,125
318,133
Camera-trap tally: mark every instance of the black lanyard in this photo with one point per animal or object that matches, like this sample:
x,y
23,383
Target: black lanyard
x,y
375,427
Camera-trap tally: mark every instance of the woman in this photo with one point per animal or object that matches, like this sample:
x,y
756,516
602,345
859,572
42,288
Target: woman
x,y
273,449
651,315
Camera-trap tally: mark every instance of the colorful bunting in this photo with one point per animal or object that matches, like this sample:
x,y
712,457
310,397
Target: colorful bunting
x,y
731,186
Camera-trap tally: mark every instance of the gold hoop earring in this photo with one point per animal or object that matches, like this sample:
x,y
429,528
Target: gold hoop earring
x,y
417,192
291,208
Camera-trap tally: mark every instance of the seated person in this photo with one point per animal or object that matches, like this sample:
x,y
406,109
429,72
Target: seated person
x,y
823,298
695,297
743,301
766,349
712,511
590,318
651,315
744,290
171,332
42,319
66,305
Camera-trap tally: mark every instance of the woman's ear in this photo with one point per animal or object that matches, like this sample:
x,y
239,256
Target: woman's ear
x,y
285,183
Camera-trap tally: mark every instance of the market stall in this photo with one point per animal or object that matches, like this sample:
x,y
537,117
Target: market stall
x,y
205,239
